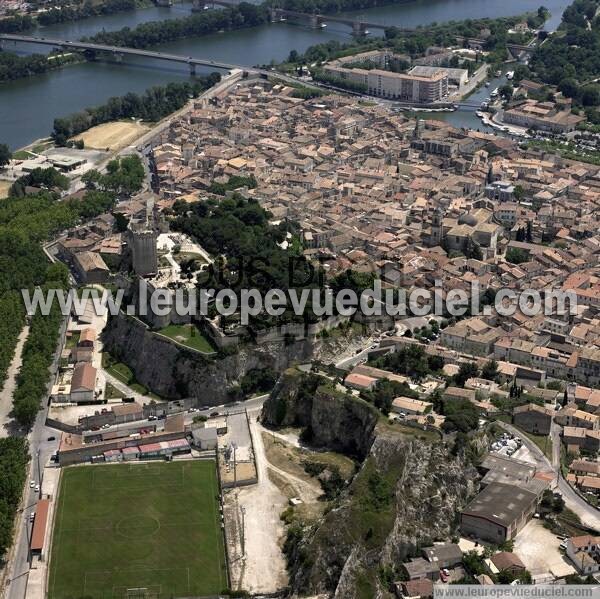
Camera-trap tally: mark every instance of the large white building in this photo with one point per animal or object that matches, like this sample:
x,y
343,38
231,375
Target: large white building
x,y
418,89
457,77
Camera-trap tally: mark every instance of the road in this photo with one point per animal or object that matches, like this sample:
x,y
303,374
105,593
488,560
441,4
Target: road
x,y
588,514
118,51
40,449
357,358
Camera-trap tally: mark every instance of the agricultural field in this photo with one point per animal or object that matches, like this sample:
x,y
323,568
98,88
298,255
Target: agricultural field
x,y
138,530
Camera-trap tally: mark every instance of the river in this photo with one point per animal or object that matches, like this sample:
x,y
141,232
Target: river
x,y
29,106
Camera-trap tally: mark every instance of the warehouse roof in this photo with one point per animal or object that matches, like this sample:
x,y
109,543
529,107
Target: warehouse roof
x,y
501,504
84,378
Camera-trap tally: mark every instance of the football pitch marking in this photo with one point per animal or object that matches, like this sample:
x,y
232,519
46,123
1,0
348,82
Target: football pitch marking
x,y
136,581
97,482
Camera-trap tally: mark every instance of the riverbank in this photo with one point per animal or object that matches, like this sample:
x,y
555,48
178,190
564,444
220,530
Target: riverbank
x,y
20,23
65,91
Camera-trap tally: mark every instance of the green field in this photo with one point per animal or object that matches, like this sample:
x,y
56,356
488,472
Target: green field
x,y
152,526
188,335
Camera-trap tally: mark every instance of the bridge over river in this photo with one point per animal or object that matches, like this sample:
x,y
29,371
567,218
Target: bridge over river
x,y
118,51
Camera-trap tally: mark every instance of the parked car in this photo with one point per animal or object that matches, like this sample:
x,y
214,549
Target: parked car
x,y
51,438
37,488
31,484
31,517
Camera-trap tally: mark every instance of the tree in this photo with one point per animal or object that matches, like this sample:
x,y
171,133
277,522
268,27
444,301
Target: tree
x,y
569,87
5,155
490,371
516,256
519,192
506,91
474,563
590,96
466,371
461,415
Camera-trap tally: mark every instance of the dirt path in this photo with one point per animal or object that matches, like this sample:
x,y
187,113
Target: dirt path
x,y
264,565
10,384
309,493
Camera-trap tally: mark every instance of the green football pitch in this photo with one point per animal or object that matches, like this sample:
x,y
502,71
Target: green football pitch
x,y
147,531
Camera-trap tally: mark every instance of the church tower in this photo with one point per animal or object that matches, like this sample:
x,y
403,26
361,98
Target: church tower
x,y
437,227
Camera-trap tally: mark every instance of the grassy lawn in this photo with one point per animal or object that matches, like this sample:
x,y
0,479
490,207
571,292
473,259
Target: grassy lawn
x,y
22,155
111,392
126,526
188,335
183,256
120,371
138,388
123,373
73,340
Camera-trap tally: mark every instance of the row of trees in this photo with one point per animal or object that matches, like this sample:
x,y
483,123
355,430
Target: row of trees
x,y
84,10
154,104
415,43
570,59
38,352
14,67
14,456
16,24
160,32
353,86
63,14
25,222
123,176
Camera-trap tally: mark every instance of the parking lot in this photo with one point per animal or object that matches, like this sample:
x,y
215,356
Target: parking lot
x,y
507,445
539,550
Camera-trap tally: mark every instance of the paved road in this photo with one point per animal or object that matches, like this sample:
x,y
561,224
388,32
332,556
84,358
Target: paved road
x,y
354,360
119,51
588,514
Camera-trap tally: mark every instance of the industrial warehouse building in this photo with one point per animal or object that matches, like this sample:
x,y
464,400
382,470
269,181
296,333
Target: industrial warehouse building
x,y
498,513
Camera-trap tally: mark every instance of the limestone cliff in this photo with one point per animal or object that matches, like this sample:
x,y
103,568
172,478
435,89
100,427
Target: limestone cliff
x,y
172,371
331,418
406,495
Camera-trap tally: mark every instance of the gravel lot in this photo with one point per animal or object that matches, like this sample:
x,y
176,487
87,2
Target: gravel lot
x,y
538,549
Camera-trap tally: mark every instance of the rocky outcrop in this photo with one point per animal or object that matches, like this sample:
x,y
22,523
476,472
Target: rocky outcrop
x,y
172,371
331,418
406,495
